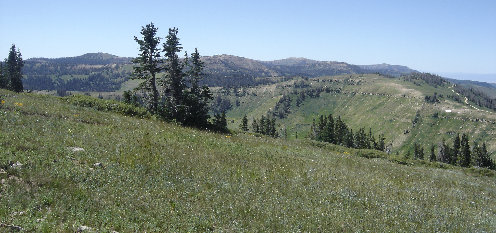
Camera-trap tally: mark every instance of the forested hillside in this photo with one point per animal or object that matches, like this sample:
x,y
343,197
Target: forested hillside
x,y
101,72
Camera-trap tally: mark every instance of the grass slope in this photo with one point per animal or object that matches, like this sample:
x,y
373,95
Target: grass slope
x,y
386,105
145,175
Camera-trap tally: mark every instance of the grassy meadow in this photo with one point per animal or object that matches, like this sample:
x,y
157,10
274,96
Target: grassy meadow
x,y
65,166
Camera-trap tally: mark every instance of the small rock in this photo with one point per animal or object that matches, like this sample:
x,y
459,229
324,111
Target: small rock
x,y
100,165
17,165
3,174
75,149
83,228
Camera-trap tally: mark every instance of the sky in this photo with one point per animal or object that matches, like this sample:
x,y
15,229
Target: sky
x,y
440,36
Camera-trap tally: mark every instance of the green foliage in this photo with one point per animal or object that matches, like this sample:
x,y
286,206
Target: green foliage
x,y
244,124
148,64
14,64
219,123
266,125
337,132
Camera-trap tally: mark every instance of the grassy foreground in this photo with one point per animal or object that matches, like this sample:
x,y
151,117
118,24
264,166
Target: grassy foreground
x,y
145,175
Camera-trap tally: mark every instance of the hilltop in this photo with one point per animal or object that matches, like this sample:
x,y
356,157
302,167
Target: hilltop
x,y
66,167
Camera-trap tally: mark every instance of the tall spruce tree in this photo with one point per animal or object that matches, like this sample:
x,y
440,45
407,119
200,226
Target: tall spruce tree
x,y
197,97
3,77
174,83
14,64
244,124
465,156
432,157
456,150
148,63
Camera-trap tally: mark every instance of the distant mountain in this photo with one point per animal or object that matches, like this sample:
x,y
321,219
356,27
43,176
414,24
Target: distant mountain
x,y
220,70
394,70
86,59
311,68
229,70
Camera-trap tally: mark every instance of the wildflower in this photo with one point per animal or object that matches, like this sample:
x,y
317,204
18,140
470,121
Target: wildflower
x,y
228,136
18,104
3,101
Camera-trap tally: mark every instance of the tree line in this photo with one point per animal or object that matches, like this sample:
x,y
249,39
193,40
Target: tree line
x,y
329,129
265,125
11,71
175,94
459,154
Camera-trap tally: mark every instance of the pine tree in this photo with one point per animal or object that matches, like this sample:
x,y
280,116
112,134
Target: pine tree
x,y
244,124
432,157
174,83
148,63
465,157
220,122
381,145
255,126
196,98
483,158
14,64
456,150
3,77
418,151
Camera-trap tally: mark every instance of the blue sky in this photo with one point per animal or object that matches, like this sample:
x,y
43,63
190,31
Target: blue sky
x,y
435,36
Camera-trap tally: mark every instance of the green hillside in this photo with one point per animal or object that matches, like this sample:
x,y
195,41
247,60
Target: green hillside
x,y
386,105
65,166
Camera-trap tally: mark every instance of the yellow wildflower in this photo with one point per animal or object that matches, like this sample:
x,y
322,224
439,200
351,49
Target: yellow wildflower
x,y
18,104
3,101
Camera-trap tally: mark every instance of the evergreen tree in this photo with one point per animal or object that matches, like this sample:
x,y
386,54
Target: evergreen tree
x,y
196,98
174,83
432,157
381,145
14,64
350,142
418,151
465,157
453,159
255,126
444,152
482,158
3,77
148,63
244,124
220,123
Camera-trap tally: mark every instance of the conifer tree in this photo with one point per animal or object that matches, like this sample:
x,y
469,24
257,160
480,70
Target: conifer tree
x,y
418,151
255,126
174,83
220,122
432,157
244,124
465,156
148,63
196,98
456,150
3,77
381,145
14,64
